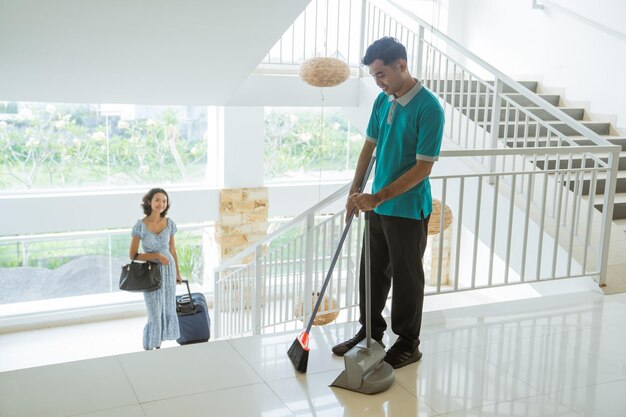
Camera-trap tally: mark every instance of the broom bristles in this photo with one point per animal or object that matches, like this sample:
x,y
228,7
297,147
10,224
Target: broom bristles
x,y
299,352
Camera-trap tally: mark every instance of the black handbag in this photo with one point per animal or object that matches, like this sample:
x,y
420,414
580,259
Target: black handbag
x,y
140,276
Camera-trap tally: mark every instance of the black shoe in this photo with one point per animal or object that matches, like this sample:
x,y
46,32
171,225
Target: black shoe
x,y
343,348
400,354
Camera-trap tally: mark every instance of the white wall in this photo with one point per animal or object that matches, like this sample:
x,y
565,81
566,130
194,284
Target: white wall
x,y
72,212
188,52
290,90
65,212
574,44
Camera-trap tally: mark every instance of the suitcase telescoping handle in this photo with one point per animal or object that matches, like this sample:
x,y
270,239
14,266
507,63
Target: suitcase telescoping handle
x,y
186,282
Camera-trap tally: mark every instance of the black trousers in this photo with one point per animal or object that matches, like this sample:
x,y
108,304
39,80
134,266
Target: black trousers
x,y
397,246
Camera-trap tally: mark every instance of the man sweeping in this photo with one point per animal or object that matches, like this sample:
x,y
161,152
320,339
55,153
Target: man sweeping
x,y
405,129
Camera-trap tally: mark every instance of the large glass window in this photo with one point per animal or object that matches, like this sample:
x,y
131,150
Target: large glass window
x,y
52,146
310,144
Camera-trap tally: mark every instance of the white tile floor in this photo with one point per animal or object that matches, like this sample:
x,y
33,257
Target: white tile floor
x,y
559,355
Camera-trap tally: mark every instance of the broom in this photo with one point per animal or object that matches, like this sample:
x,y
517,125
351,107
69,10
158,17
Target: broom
x,y
299,350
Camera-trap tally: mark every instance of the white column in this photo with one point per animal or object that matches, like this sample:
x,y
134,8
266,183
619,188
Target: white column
x,y
243,146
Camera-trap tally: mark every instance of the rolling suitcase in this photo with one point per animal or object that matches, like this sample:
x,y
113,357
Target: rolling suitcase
x,y
193,317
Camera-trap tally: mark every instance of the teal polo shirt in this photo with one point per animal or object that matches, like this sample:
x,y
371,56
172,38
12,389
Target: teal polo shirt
x,y
405,130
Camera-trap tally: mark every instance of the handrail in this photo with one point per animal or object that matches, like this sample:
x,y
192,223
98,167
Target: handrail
x,y
401,14
555,150
604,28
548,150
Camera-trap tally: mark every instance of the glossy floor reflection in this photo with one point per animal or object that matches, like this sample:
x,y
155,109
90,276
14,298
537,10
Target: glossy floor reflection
x,y
560,355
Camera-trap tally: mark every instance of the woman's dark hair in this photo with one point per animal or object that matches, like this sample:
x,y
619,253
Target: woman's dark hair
x,y
387,49
145,202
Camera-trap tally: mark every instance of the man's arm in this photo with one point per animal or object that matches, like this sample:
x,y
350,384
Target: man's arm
x,y
408,180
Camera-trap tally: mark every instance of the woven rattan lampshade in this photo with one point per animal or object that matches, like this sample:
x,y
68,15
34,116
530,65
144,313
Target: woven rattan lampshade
x,y
324,72
324,316
435,218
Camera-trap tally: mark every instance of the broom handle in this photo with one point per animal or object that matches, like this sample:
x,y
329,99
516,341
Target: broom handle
x,y
368,282
346,229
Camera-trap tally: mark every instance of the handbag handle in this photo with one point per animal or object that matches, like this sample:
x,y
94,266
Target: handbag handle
x,y
132,261
186,282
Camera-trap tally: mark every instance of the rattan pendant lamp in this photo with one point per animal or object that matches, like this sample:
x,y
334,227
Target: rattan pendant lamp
x,y
324,72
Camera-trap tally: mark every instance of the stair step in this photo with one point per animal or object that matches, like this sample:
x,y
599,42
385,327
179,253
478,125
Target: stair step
x,y
620,186
469,99
542,142
621,223
601,128
619,205
577,162
573,112
473,86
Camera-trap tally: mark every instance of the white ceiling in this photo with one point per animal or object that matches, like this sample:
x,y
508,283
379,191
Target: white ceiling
x,y
192,52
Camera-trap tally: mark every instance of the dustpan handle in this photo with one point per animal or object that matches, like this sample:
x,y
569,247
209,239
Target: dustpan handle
x,y
368,282
346,229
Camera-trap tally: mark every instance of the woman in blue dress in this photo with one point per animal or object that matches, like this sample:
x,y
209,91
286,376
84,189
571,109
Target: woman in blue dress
x,y
156,233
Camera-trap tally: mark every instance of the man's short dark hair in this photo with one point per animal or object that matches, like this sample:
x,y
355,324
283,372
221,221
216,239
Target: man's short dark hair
x,y
387,49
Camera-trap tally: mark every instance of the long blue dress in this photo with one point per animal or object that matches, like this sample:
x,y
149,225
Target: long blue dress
x,y
161,304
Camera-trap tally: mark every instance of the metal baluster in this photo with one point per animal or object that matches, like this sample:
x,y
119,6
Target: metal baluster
x,y
529,198
510,230
543,218
458,234
441,233
572,226
494,216
558,226
591,208
476,230
567,185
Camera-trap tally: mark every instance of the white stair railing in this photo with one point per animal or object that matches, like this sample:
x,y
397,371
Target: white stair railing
x,y
497,238
514,222
485,90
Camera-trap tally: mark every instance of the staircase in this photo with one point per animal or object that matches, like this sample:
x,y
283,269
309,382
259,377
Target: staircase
x,y
474,103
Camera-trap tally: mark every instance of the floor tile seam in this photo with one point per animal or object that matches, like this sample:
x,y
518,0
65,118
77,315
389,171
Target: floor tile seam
x,y
407,390
583,385
526,338
486,404
515,377
552,395
537,393
143,411
189,394
540,390
596,355
512,401
302,374
105,409
293,413
242,356
422,400
132,387
575,347
478,407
